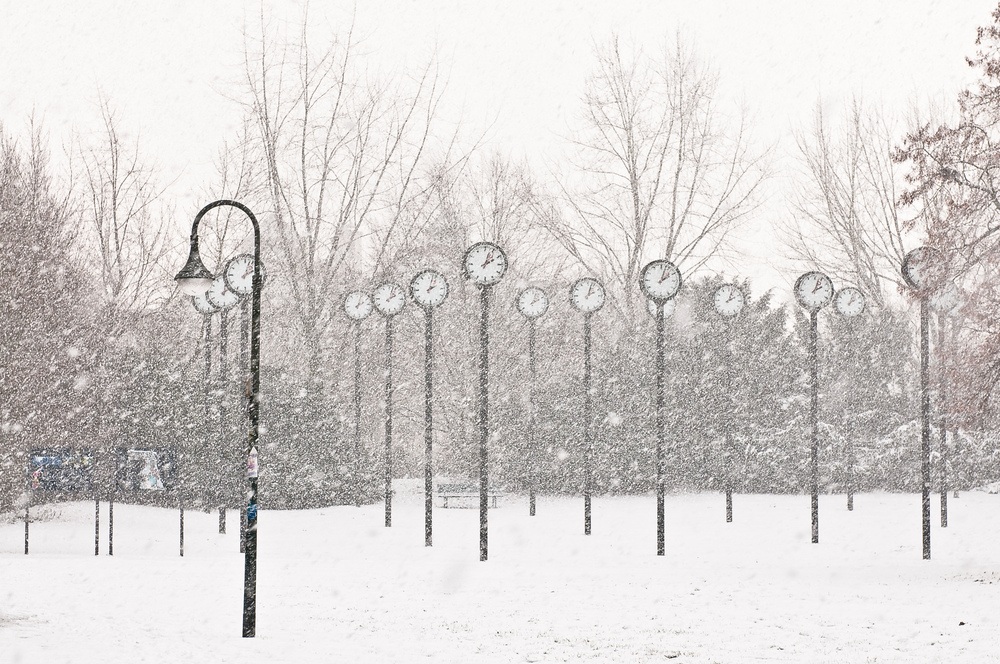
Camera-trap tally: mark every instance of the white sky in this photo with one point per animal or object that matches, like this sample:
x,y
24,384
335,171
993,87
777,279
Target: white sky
x,y
167,65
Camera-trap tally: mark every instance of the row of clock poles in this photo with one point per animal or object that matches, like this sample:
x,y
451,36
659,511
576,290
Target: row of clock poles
x,y
660,281
923,271
233,286
485,264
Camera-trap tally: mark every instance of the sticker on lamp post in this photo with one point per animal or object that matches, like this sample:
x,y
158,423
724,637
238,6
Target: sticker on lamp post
x,y
252,464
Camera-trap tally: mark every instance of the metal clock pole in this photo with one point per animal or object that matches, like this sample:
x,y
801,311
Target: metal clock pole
x,y
588,434
389,300
485,264
814,422
661,426
729,301
428,426
925,429
357,306
660,280
587,295
944,302
943,400
223,379
244,370
919,271
532,302
357,413
428,289
532,420
388,421
814,290
850,302
483,419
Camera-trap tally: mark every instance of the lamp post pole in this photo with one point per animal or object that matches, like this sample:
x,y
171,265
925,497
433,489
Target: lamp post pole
x,y
195,278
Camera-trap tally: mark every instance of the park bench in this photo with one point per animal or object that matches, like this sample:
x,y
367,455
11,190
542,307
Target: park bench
x,y
465,494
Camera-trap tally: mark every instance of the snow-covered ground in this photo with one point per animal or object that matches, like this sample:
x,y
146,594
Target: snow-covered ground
x,y
337,586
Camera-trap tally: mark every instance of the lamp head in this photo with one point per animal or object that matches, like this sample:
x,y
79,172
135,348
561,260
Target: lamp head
x,y
194,278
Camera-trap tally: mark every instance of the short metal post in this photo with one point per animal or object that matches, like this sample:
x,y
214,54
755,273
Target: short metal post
x,y
26,519
97,527
182,529
111,526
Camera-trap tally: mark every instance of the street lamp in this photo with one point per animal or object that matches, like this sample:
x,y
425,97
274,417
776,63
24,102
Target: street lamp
x,y
193,279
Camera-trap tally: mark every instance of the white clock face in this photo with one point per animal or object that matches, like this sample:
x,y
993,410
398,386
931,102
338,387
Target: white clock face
x,y
660,280
357,305
532,302
922,268
485,263
220,296
429,288
202,305
729,300
946,299
587,295
849,302
814,290
389,299
668,307
239,274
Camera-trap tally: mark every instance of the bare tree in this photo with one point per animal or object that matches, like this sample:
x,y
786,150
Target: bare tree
x,y
659,172
121,205
343,150
848,220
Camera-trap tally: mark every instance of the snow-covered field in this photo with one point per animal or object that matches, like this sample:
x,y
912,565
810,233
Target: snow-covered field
x,y
337,586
